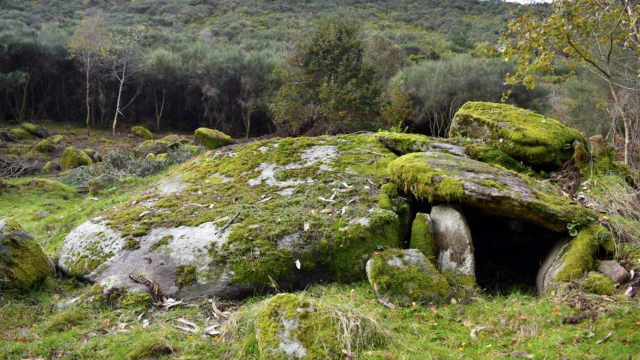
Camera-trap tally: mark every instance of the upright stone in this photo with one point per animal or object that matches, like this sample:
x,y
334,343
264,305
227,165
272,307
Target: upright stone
x,y
422,235
456,260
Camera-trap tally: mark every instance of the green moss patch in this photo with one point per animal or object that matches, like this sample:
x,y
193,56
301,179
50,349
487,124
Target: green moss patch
x,y
212,139
142,132
523,134
577,257
599,284
422,236
73,158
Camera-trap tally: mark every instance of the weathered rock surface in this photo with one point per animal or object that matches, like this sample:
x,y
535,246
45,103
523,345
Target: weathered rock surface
x,y
405,276
22,262
404,144
228,222
212,139
523,134
73,158
293,328
570,258
39,131
614,271
435,176
456,259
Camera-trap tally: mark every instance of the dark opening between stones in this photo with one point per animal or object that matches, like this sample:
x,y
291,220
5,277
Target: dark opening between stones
x,y
508,252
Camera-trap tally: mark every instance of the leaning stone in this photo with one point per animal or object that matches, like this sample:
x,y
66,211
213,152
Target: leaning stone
x,y
422,235
73,158
569,259
456,259
435,176
614,271
598,284
22,262
405,276
142,132
212,139
523,134
293,328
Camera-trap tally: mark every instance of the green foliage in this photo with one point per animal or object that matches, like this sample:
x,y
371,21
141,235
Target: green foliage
x,y
327,83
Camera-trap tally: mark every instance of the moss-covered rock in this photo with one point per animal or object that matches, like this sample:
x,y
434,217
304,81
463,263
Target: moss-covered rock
x,y
212,139
7,136
570,258
291,211
112,292
452,237
142,132
435,176
523,134
73,158
22,134
403,144
405,276
22,262
50,166
599,284
422,236
290,327
159,146
59,139
38,131
45,146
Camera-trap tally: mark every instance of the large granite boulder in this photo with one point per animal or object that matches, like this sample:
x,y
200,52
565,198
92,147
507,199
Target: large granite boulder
x,y
231,222
405,276
22,262
456,259
442,177
523,134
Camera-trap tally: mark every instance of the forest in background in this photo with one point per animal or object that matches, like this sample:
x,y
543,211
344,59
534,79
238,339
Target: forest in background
x,y
215,63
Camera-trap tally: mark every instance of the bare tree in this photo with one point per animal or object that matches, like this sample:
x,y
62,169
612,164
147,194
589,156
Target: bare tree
x,y
89,46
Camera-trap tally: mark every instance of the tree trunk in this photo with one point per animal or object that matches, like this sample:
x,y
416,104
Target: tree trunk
x,y
24,97
115,118
88,67
159,113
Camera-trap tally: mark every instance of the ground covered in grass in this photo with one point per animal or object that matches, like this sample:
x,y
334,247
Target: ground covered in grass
x,y
515,325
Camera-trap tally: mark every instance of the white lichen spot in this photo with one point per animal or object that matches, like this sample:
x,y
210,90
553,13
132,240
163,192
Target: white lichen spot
x,y
286,192
365,222
319,153
267,176
447,264
171,185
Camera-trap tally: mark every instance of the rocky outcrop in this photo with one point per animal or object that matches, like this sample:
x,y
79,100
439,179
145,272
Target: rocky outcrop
x,y
523,134
435,176
22,262
212,139
230,222
405,276
456,259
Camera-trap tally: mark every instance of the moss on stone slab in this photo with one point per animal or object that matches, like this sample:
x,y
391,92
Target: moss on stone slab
x,y
142,132
73,158
599,284
422,236
577,257
186,275
523,134
212,139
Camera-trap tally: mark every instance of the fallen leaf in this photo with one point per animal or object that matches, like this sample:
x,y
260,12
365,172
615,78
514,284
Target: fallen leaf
x,y
523,317
306,227
106,323
467,323
522,355
298,265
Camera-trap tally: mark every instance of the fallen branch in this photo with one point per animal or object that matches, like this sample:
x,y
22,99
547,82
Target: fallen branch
x,y
605,338
578,319
387,304
227,224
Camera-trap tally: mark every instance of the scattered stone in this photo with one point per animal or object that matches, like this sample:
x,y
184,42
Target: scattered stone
x,y
59,139
22,134
93,154
7,136
294,328
45,146
456,259
406,276
41,214
614,271
50,167
523,134
598,284
23,264
422,235
39,131
142,132
73,158
212,139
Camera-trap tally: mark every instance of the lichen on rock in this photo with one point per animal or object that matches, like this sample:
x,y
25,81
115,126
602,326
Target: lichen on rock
x,y
406,276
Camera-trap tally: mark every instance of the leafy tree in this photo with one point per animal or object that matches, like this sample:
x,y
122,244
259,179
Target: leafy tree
x,y
328,86
602,36
89,45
